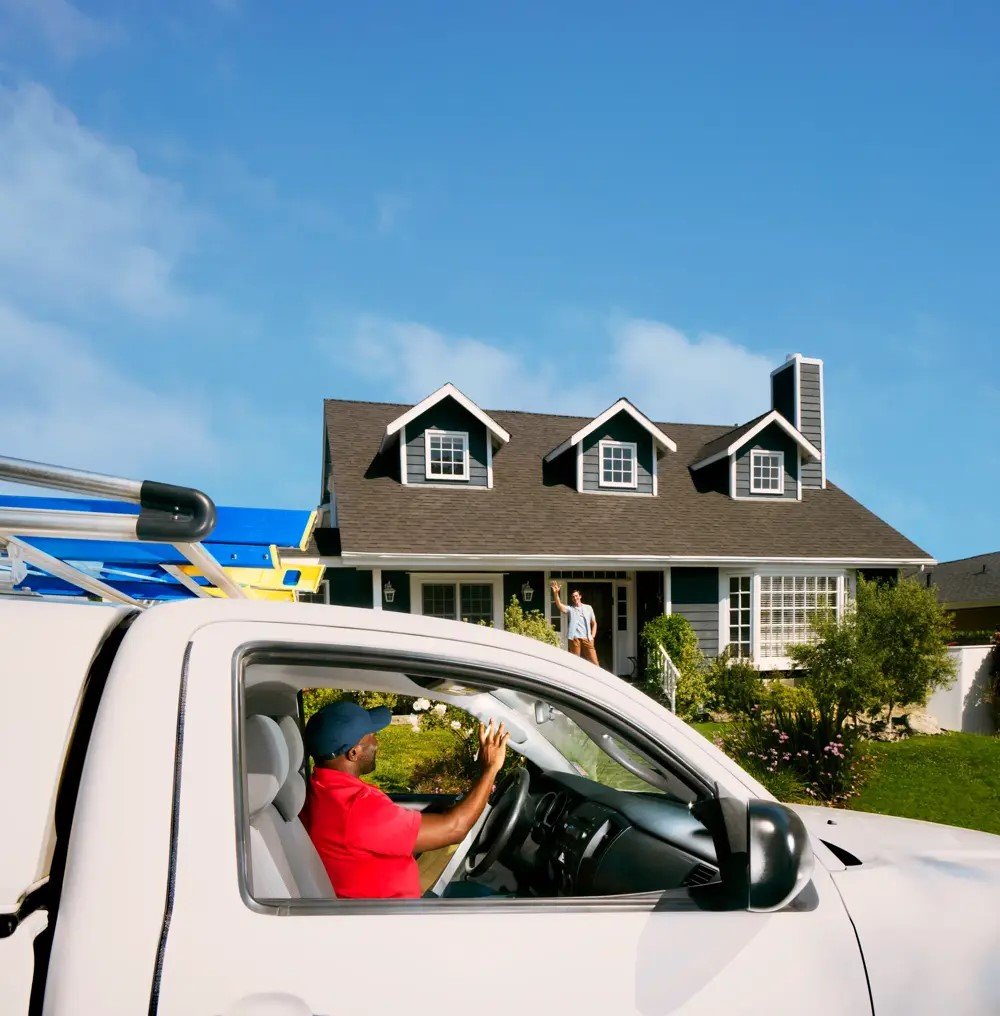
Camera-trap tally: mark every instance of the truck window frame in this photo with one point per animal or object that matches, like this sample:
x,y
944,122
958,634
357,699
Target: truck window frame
x,y
430,666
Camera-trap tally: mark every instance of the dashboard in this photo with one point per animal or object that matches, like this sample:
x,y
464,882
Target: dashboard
x,y
581,838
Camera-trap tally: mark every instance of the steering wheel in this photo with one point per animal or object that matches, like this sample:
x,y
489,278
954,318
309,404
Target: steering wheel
x,y
499,826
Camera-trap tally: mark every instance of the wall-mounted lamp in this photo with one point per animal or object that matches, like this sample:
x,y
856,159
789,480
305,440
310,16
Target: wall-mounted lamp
x,y
527,592
388,592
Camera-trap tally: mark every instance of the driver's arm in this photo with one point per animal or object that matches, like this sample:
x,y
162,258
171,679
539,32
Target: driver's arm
x,y
452,826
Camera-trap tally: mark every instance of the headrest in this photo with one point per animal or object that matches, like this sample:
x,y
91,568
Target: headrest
x,y
293,739
292,795
267,762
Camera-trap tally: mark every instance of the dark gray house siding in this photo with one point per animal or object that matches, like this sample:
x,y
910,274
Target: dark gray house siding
x,y
783,392
446,415
772,439
350,587
694,594
620,428
810,421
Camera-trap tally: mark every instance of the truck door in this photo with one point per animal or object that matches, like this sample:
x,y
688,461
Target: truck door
x,y
222,952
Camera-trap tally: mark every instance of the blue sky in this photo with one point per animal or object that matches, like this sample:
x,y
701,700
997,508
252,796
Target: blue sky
x,y
212,215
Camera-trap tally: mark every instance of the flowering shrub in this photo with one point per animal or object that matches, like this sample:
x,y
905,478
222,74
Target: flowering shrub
x,y
794,751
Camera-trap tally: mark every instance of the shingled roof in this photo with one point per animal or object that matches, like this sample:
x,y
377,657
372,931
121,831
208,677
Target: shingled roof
x,y
969,580
529,513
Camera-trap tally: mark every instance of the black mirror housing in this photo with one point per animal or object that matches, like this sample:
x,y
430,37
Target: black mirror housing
x,y
779,854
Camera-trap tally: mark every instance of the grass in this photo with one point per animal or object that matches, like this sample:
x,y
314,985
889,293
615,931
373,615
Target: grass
x,y
950,778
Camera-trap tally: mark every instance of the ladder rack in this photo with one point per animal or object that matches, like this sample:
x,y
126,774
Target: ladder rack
x,y
172,520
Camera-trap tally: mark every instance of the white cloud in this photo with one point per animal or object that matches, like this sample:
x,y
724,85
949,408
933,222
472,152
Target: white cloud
x,y
81,225
63,403
669,376
709,379
65,29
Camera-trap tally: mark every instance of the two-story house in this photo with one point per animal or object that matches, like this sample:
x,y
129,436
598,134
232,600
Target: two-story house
x,y
448,509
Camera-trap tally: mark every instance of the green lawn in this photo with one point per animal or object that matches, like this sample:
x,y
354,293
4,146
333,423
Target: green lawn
x,y
950,778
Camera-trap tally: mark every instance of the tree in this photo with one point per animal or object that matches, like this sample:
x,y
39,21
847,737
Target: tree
x,y
888,647
838,671
904,634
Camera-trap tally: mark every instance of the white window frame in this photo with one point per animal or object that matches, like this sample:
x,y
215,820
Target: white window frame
x,y
460,434
844,589
758,453
608,443
419,579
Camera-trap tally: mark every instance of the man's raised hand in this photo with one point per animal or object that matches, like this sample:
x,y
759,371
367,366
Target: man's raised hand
x,y
492,747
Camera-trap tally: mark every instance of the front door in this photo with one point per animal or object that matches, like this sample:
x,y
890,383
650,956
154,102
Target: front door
x,y
599,596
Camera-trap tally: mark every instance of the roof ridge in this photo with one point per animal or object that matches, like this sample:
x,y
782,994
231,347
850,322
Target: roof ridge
x,y
971,557
532,412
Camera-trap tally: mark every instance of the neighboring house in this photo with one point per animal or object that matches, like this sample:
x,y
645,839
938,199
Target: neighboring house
x,y
970,588
448,509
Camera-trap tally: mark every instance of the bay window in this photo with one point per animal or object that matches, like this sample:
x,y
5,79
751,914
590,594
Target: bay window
x,y
762,614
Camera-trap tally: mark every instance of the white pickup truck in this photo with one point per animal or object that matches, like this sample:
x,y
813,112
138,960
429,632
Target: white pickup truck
x,y
152,859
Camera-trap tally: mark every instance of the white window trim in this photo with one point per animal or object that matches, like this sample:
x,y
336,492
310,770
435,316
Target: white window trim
x,y
845,591
437,477
756,453
419,579
607,442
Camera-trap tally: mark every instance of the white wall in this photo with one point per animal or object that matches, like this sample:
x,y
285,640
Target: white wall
x,y
958,707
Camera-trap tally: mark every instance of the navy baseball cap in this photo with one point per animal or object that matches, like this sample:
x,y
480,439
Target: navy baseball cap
x,y
338,727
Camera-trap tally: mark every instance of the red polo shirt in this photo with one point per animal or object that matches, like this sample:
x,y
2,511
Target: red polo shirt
x,y
364,839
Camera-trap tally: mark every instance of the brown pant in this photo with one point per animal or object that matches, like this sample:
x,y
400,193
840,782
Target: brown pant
x,y
584,648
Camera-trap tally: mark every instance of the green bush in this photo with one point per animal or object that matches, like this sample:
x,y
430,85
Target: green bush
x,y
734,684
313,699
533,623
675,634
978,637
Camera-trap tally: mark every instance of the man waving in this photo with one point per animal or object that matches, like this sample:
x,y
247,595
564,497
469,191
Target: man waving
x,y
582,624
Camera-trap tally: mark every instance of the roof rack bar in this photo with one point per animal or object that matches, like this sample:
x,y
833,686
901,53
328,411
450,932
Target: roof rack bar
x,y
38,474
66,572
185,580
70,525
168,514
211,569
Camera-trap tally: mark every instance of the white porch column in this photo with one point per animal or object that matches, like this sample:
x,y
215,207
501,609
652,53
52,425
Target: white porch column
x,y
668,606
376,588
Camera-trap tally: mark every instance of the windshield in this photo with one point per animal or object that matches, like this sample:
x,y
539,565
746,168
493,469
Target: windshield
x,y
595,754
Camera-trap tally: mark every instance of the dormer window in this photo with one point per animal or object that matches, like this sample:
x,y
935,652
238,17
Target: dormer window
x,y
618,464
447,454
767,472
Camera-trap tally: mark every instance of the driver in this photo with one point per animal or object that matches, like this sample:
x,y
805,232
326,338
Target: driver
x,y
365,840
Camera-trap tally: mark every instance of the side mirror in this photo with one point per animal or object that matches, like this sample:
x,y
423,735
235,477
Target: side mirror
x,y
779,855
764,855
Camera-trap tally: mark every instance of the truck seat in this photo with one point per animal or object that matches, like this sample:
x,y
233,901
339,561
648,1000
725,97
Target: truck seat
x,y
307,868
267,769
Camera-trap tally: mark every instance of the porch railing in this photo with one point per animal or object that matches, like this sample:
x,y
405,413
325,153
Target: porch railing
x,y
668,675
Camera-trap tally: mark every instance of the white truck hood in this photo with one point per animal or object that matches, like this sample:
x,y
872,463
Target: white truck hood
x,y
925,901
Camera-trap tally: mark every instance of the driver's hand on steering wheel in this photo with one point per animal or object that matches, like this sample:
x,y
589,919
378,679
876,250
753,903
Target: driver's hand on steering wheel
x,y
492,747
